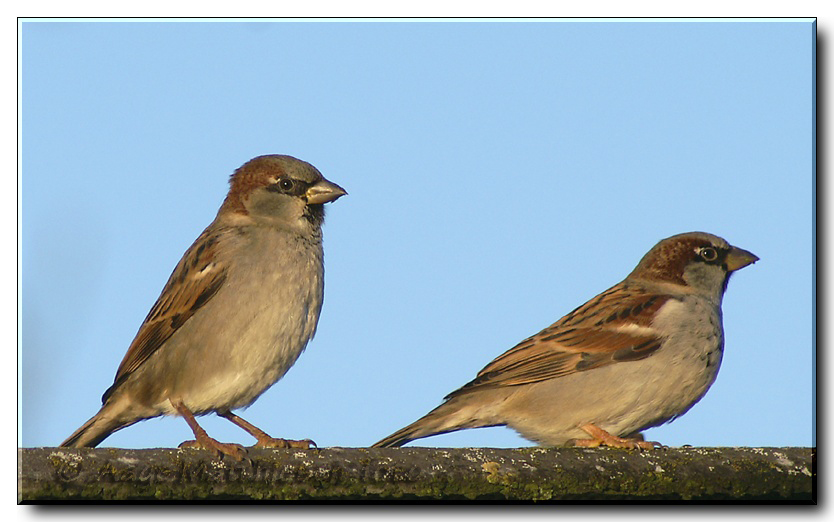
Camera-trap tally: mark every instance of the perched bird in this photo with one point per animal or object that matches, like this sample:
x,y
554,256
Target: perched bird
x,y
637,355
236,312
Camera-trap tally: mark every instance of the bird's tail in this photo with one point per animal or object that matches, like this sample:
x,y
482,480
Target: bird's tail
x,y
111,417
449,416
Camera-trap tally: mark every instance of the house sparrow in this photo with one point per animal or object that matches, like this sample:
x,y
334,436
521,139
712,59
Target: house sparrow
x,y
638,355
235,314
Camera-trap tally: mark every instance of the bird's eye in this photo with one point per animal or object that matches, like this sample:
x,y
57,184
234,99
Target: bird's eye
x,y
285,184
708,254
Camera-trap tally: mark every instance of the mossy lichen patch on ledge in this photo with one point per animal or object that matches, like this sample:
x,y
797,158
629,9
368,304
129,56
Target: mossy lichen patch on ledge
x,y
418,474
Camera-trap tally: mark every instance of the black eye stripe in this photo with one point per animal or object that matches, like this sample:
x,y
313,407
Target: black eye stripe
x,y
289,186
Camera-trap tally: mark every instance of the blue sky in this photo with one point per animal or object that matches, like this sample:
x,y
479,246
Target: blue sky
x,y
499,175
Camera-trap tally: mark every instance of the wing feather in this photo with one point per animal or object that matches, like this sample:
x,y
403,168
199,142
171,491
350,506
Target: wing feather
x,y
196,279
613,327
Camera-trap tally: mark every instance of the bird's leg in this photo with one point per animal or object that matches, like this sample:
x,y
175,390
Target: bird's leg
x,y
602,437
264,440
203,441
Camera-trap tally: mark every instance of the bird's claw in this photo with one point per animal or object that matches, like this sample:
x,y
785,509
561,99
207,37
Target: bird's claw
x,y
272,442
235,451
603,438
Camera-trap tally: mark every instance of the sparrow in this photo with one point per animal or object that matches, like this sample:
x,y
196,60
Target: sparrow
x,y
236,313
636,356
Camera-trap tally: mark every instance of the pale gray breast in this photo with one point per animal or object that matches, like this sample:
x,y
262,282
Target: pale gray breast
x,y
282,277
692,352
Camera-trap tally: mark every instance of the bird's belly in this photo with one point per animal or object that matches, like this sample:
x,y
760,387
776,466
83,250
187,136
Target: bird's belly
x,y
253,363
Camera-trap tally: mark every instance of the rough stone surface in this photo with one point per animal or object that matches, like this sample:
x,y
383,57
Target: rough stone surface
x,y
418,475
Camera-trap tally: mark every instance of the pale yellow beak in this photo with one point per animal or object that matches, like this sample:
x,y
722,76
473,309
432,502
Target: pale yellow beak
x,y
739,258
323,192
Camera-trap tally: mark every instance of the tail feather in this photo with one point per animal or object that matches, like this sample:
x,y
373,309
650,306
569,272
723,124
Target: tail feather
x,y
89,435
111,417
405,435
448,417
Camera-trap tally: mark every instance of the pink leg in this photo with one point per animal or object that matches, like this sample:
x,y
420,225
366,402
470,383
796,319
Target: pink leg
x,y
264,440
203,441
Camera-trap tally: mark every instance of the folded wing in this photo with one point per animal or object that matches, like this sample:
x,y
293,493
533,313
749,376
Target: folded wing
x,y
613,327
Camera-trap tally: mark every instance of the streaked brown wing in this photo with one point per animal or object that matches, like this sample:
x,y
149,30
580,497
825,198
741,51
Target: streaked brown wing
x,y
600,332
195,280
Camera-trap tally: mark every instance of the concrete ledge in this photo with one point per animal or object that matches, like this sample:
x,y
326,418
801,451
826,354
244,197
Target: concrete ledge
x,y
419,475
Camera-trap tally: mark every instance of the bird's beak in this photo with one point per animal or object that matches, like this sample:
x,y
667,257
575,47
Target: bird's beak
x,y
739,258
324,191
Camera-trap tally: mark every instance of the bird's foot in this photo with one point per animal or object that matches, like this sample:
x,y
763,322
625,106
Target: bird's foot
x,y
603,438
236,451
272,442
264,440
